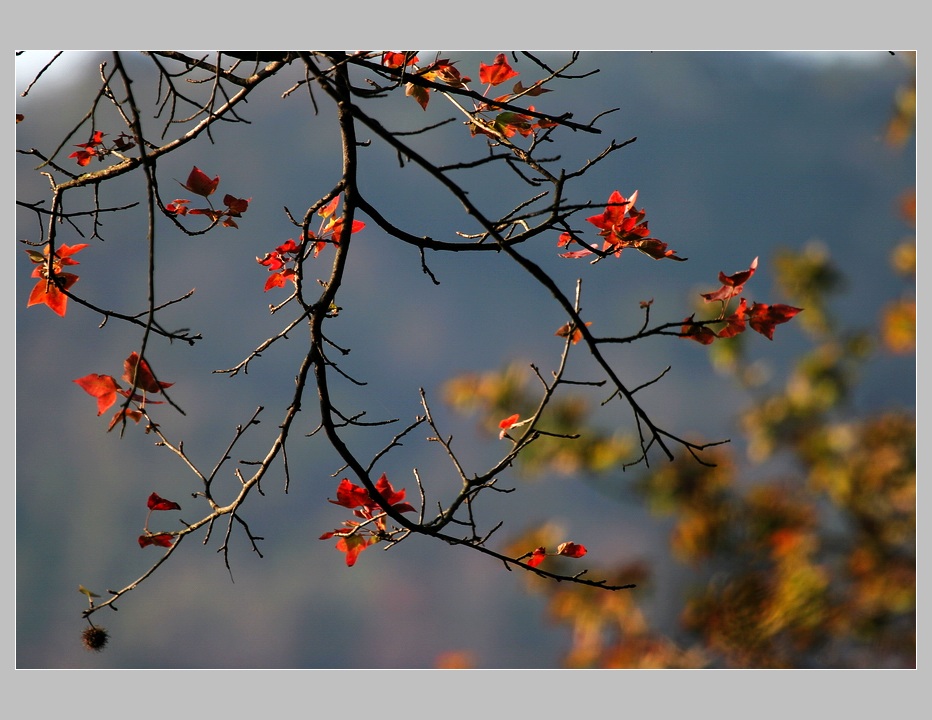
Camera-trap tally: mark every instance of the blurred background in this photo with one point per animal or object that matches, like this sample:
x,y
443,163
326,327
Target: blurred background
x,y
781,155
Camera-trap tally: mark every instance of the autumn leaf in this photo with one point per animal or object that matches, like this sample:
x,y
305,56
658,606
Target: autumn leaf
x,y
200,184
178,207
89,149
732,285
49,292
496,73
124,142
444,71
569,549
763,318
507,424
102,387
279,279
571,331
622,226
398,59
125,413
351,495
163,539
391,496
534,90
137,373
693,331
335,226
537,557
352,545
420,94
159,503
509,123
735,323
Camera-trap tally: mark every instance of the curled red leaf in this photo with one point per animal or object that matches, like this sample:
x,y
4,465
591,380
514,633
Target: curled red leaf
x,y
763,318
570,549
537,557
200,184
163,539
136,372
159,503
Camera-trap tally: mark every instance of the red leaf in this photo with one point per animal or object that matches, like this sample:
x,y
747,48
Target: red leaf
x,y
614,212
134,415
763,317
278,279
509,421
89,150
735,321
48,293
200,184
178,207
496,73
83,157
569,549
537,557
158,503
388,492
699,333
397,59
351,495
236,206
137,371
732,285
335,226
102,387
352,545
443,70
164,539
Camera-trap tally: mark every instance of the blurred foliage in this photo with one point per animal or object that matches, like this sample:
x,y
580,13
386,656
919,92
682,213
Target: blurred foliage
x,y
814,567
497,395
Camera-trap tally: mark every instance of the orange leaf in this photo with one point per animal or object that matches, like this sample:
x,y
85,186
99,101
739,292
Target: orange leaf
x,y
134,415
496,73
352,545
506,424
102,387
397,59
47,293
571,331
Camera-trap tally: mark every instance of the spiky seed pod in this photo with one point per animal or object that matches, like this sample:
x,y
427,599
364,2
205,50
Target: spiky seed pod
x,y
94,638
